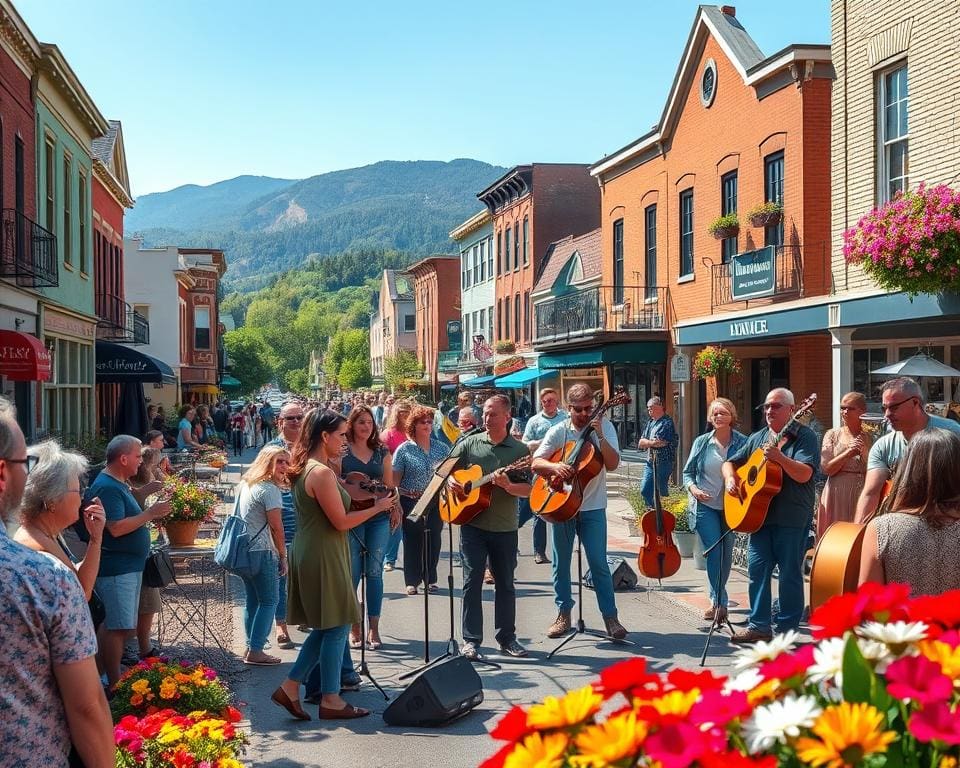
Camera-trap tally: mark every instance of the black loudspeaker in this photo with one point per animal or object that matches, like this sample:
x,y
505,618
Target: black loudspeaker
x,y
623,575
447,690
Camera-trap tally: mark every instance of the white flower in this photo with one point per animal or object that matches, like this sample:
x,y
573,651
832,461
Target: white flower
x,y
878,654
780,720
898,634
765,650
745,681
827,661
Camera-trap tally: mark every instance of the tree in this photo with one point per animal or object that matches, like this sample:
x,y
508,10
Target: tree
x,y
400,368
297,381
355,373
250,358
346,345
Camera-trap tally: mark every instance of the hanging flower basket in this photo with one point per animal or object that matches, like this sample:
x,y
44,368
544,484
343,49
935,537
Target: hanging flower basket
x,y
723,227
714,361
766,215
912,243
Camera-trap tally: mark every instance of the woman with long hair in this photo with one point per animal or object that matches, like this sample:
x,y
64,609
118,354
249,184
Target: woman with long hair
x,y
843,458
917,541
414,463
704,484
368,456
321,594
185,437
393,435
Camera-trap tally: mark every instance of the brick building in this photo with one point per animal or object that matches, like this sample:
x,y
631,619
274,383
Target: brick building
x,y
738,129
436,295
200,342
393,323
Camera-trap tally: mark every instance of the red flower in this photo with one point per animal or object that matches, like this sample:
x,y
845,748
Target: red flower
x,y
627,677
181,758
735,759
935,722
788,665
686,680
872,602
679,744
232,715
512,726
718,708
497,760
918,678
937,610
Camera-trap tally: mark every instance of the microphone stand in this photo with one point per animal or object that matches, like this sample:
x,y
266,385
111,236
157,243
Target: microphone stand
x,y
716,623
364,670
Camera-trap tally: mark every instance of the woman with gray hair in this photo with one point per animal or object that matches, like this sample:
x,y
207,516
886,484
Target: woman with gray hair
x,y
51,503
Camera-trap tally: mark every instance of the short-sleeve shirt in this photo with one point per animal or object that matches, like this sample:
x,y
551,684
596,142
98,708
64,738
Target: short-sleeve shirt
x,y
479,449
288,510
252,506
663,429
412,468
539,425
44,621
792,507
595,494
183,425
127,553
889,449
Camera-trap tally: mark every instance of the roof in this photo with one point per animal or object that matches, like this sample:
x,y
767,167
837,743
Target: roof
x,y
398,287
64,79
745,56
110,163
473,223
560,254
430,262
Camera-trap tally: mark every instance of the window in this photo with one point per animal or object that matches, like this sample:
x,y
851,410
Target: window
x,y
499,328
409,323
516,245
516,318
708,83
864,361
483,261
477,261
894,159
728,205
466,325
490,320
201,328
773,193
505,331
464,271
481,320
50,162
650,249
143,309
526,240
499,268
618,261
19,185
506,250
526,315
68,397
490,256
82,215
686,233
67,234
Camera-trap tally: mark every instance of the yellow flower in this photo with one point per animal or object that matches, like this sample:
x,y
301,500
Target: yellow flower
x,y
766,691
675,702
616,738
947,657
846,733
539,751
573,708
947,761
141,686
168,689
169,734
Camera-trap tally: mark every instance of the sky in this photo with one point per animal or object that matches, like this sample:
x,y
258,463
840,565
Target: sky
x,y
208,89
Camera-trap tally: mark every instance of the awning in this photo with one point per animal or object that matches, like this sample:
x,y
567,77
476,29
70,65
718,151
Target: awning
x,y
480,381
627,352
448,387
522,378
117,363
203,389
23,357
229,382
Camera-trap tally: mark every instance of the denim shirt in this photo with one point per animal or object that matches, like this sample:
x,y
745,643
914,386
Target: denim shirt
x,y
692,469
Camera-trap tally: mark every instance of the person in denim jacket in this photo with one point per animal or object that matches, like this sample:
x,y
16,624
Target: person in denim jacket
x,y
704,483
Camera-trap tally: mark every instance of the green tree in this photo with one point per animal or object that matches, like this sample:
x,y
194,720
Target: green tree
x,y
355,373
297,381
250,358
400,368
353,344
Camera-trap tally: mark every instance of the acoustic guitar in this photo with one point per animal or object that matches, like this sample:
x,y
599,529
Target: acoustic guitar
x,y
659,557
477,492
760,481
557,500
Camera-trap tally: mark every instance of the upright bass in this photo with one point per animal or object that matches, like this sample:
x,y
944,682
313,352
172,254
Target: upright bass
x,y
659,557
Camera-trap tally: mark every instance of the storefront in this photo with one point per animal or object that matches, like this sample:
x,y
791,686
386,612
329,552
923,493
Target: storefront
x,y
23,361
68,398
127,369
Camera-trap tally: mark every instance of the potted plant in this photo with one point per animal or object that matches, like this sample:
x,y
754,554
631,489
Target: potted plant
x,y
168,737
725,226
912,243
675,502
712,362
191,504
767,214
179,685
505,347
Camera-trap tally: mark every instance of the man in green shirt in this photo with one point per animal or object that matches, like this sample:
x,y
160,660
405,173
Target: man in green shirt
x,y
492,534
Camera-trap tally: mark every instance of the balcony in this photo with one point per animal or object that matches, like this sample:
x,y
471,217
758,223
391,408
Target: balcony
x,y
119,322
28,252
602,310
448,362
770,274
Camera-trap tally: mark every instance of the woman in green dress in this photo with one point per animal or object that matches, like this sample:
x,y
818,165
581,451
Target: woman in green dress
x,y
320,593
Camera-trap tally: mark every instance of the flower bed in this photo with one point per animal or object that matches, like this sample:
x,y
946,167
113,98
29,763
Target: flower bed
x,y
879,687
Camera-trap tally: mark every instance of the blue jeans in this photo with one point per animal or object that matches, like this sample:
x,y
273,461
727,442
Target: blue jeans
x,y
776,545
393,546
261,605
318,663
539,526
593,539
711,525
664,470
281,615
374,534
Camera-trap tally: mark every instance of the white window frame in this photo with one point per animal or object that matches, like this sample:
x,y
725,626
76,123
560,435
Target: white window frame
x,y
884,144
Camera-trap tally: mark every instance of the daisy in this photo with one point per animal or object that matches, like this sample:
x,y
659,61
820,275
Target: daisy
x,y
780,720
745,681
765,650
897,634
827,661
877,653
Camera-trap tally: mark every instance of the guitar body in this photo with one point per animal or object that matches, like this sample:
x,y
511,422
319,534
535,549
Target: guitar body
x,y
461,511
760,481
557,501
363,491
836,562
659,557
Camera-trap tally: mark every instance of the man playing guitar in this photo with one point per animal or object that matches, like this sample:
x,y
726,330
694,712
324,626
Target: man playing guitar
x,y
781,540
491,536
592,518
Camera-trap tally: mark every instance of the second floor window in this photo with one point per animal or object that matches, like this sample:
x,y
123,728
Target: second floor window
x,y
526,316
506,249
483,260
618,261
526,241
516,318
67,235
50,163
728,205
505,333
82,217
477,261
465,270
773,193
201,328
893,135
499,251
686,233
650,250
490,256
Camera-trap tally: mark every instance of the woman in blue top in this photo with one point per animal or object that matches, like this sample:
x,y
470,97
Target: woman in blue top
x,y
413,465
704,483
185,438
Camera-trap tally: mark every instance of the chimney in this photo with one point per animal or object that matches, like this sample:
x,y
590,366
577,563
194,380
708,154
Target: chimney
x,y
729,10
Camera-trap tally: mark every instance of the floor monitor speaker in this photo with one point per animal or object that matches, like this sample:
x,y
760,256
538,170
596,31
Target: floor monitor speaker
x,y
441,693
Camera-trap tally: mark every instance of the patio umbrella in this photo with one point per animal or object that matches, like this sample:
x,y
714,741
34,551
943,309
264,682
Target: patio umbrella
x,y
918,365
131,416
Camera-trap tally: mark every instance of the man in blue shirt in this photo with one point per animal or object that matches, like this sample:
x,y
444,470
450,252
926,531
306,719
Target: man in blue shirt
x,y
660,439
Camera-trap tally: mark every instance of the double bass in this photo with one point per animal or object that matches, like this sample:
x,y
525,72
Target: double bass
x,y
659,557
557,500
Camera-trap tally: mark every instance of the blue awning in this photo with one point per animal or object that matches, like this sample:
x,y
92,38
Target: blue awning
x,y
626,352
478,382
522,377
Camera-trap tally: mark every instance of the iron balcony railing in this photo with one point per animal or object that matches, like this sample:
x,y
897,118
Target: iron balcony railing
x,y
448,361
787,280
607,308
119,322
28,252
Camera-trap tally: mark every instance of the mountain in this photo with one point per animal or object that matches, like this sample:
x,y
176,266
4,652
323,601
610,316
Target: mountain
x,y
408,206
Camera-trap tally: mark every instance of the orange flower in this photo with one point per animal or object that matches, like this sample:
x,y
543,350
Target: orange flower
x,y
571,709
613,740
539,751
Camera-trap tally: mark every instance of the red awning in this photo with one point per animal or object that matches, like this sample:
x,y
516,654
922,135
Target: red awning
x,y
23,357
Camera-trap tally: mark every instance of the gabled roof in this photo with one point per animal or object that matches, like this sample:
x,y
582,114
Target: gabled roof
x,y
743,53
576,258
65,80
398,287
110,163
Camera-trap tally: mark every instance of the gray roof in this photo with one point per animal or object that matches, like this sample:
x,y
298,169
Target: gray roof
x,y
102,146
735,36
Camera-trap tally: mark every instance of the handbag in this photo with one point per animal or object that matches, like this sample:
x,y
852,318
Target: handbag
x,y
158,570
232,551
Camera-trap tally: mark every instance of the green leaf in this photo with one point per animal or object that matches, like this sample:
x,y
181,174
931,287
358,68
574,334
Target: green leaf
x,y
858,678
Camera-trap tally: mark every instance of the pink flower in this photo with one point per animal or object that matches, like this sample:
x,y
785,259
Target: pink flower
x,y
677,745
918,678
935,722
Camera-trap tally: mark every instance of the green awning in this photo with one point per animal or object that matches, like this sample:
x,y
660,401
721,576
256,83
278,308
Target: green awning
x,y
229,382
627,352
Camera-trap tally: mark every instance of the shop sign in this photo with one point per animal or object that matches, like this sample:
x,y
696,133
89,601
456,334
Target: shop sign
x,y
509,365
753,273
71,326
454,336
680,368
747,328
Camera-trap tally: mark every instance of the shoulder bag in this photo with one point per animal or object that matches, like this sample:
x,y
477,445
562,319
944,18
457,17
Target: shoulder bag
x,y
232,552
158,570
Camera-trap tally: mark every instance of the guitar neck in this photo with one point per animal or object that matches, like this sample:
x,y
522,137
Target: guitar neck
x,y
488,478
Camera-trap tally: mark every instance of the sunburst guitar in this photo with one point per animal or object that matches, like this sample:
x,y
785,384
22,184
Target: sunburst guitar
x,y
477,492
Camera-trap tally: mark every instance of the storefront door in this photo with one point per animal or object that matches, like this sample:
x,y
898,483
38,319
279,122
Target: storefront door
x,y
766,373
641,382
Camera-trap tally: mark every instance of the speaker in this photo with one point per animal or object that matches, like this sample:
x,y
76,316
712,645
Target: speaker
x,y
447,690
624,577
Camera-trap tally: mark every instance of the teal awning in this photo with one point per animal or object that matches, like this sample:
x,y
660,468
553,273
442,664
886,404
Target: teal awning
x,y
229,382
522,377
478,382
628,352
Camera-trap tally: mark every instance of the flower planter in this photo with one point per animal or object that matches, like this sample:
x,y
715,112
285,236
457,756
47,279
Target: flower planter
x,y
182,533
699,559
766,219
684,541
722,233
633,525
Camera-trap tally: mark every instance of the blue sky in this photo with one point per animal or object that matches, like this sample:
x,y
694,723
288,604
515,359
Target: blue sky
x,y
210,90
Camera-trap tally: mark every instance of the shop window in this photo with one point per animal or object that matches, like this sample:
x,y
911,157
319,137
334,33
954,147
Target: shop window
x,y
864,361
892,133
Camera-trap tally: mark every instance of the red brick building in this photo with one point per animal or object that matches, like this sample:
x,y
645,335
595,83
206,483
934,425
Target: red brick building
x,y
198,282
436,296
739,129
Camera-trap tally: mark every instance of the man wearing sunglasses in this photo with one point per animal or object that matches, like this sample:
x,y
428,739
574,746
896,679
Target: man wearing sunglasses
x,y
781,540
902,401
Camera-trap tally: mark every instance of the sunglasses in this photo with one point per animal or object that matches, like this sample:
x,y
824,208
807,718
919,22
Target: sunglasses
x,y
581,408
772,406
